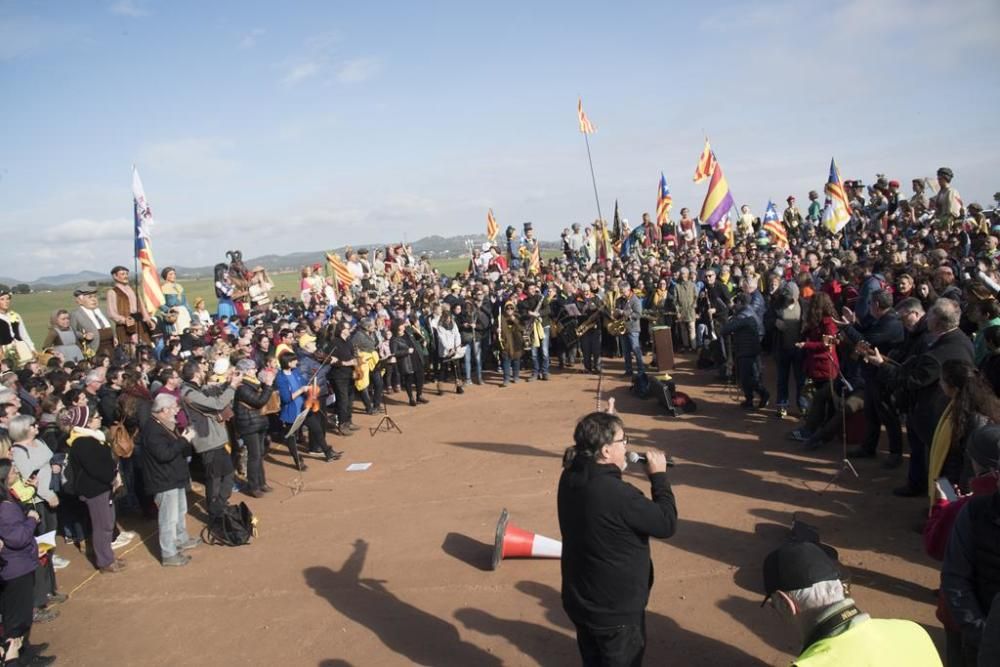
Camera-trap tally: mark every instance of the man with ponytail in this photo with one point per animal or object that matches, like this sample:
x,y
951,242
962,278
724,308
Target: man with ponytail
x,y
606,524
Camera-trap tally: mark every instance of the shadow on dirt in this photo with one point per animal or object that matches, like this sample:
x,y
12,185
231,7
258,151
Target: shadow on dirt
x,y
665,639
418,636
468,550
506,448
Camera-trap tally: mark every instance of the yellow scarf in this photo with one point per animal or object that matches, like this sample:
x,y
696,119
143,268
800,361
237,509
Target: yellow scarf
x,y
940,445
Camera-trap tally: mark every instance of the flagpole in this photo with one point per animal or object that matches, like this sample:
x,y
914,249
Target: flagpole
x,y
593,179
135,255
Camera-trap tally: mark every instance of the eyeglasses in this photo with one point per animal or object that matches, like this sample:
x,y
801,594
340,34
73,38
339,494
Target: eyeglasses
x,y
624,441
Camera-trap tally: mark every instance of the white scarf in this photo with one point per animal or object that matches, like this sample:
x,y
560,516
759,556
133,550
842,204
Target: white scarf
x,y
89,432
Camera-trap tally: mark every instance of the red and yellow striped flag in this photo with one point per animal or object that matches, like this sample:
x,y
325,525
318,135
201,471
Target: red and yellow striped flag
x,y
491,226
706,164
585,125
338,270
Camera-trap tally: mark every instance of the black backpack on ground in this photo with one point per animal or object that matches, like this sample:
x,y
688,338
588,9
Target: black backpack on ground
x,y
235,527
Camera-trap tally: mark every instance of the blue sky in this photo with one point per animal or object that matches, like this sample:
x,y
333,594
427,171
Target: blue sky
x,y
295,126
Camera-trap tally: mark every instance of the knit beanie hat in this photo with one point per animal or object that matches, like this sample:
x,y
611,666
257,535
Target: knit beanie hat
x,y
79,416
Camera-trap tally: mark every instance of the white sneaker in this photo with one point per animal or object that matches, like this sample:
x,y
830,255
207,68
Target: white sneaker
x,y
58,562
124,538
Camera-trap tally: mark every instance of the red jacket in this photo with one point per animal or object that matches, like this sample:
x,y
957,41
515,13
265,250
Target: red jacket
x,y
937,530
820,361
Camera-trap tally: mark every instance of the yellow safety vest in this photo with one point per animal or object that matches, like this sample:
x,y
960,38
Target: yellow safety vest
x,y
874,643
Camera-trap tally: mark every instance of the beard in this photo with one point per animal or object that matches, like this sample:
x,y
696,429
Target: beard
x,y
169,421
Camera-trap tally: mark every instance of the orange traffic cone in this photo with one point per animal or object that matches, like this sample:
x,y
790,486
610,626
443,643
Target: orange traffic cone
x,y
514,542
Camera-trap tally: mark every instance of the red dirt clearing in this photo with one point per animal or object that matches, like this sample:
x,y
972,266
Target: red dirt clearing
x,y
391,566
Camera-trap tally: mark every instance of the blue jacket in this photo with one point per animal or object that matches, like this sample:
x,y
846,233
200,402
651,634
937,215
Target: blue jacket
x,y
288,382
20,552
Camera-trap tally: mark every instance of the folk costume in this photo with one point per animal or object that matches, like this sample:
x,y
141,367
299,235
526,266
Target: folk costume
x,y
126,310
15,342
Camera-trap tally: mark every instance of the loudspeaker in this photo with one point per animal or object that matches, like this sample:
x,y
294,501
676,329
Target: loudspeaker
x,y
663,347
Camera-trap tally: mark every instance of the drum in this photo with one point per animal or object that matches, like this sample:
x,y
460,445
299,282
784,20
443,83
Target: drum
x,y
663,347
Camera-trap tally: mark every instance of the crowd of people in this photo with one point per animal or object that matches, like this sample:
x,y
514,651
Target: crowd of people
x,y
894,317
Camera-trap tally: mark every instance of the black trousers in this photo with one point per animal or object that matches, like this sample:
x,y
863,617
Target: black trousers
x,y
317,432
615,646
45,575
218,480
254,442
878,412
343,389
16,599
590,343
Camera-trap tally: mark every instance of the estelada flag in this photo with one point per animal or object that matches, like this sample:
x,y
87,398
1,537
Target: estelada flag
x,y
585,125
491,226
706,163
149,280
774,226
663,201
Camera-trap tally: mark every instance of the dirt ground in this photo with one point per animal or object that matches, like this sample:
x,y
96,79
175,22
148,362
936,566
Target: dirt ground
x,y
391,566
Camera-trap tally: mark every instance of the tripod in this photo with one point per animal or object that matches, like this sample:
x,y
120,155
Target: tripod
x,y
386,423
845,463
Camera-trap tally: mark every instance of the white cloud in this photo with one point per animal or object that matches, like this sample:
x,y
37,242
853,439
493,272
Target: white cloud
x,y
299,72
357,70
250,39
89,231
128,8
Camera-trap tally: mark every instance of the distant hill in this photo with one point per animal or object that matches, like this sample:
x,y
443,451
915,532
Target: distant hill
x,y
63,279
435,247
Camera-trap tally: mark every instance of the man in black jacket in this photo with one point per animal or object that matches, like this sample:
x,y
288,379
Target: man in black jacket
x,y
919,377
883,330
606,525
165,472
745,329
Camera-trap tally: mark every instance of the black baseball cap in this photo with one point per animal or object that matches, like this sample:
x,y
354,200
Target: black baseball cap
x,y
796,565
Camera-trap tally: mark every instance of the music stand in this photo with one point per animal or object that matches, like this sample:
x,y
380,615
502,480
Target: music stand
x,y
386,423
845,463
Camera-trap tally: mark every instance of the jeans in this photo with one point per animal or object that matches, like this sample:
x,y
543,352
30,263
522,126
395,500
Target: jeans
x,y
172,506
630,346
474,350
748,369
790,361
511,365
540,355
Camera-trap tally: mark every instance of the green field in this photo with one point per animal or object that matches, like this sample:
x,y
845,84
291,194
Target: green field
x,y
37,308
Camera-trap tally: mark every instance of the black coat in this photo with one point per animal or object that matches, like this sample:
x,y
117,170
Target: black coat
x,y
886,333
246,406
606,525
164,459
918,376
746,333
400,347
93,466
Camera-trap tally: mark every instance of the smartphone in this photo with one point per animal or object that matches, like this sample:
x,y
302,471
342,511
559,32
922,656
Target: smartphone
x,y
947,490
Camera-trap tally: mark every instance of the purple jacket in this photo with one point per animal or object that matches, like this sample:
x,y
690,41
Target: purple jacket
x,y
20,551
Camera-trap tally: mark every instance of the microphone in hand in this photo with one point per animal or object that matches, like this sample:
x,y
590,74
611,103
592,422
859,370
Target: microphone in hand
x,y
639,457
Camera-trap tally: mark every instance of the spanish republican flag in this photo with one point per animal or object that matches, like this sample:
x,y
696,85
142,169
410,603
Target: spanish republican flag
x,y
149,280
838,209
585,125
491,226
706,164
718,200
